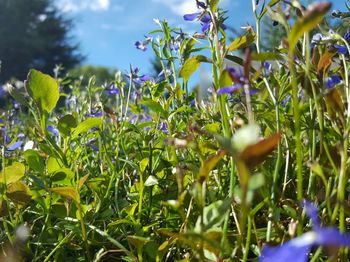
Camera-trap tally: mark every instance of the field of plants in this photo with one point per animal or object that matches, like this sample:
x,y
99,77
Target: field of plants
x,y
151,169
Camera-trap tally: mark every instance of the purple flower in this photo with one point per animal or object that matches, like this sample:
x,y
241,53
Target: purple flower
x,y
341,49
52,130
96,112
15,146
297,249
229,89
267,66
136,79
204,19
333,80
92,143
347,35
112,90
143,45
163,127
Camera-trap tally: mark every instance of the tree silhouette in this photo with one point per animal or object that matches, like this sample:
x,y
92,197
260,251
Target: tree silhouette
x,y
34,35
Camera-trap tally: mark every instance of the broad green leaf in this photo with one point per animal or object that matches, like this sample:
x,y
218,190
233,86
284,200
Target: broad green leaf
x,y
19,193
67,192
43,89
53,164
143,164
66,124
86,125
242,41
191,65
12,173
225,78
62,176
155,106
34,160
210,164
309,21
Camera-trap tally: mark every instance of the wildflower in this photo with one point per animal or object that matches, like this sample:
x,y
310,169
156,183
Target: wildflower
x,y
316,39
112,90
238,79
347,35
92,143
163,127
136,79
203,17
297,249
52,130
333,80
341,49
143,45
267,66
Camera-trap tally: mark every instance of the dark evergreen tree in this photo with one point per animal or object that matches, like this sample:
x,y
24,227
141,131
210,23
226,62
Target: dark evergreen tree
x,y
34,35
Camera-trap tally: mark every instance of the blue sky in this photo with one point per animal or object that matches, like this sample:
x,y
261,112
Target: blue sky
x,y
108,29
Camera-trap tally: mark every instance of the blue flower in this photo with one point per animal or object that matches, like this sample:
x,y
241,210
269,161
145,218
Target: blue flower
x,y
316,39
347,35
143,45
333,80
267,66
238,79
112,90
92,143
297,249
341,49
52,130
14,146
136,79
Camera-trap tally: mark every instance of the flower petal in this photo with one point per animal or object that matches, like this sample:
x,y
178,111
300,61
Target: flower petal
x,y
229,89
191,17
311,211
341,49
15,146
332,237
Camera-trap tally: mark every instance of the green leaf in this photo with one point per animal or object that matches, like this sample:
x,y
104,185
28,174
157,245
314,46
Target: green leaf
x,y
12,173
191,65
67,192
242,41
210,164
256,181
19,193
309,21
155,106
53,164
214,5
86,125
43,89
266,56
34,160
66,124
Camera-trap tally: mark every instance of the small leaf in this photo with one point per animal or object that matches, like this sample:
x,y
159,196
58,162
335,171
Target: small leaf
x,y
66,124
242,41
19,193
137,241
255,154
191,65
335,105
325,61
307,22
86,125
34,160
151,181
209,165
225,78
155,106
82,181
67,192
43,89
12,173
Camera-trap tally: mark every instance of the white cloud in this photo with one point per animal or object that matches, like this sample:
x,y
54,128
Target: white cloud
x,y
182,7
83,5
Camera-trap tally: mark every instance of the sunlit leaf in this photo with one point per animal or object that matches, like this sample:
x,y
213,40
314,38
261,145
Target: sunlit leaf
x,y
67,192
309,21
12,173
242,41
43,89
191,65
155,106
